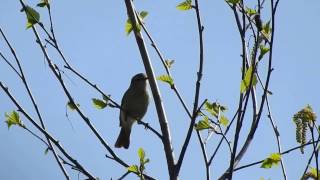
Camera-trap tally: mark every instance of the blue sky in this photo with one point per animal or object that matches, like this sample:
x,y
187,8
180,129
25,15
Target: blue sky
x,y
92,37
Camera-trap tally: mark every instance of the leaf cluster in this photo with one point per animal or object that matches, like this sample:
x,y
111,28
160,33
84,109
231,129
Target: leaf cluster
x,y
215,110
139,169
13,118
272,160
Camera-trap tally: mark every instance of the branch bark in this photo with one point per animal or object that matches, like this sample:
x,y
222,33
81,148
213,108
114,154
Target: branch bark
x,y
155,91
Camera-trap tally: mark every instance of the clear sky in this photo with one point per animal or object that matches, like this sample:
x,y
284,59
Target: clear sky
x,y
92,36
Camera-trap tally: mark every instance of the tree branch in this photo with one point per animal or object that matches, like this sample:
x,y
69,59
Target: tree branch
x,y
24,81
155,91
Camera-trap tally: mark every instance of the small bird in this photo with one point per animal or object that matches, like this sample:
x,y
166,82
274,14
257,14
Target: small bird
x,y
134,106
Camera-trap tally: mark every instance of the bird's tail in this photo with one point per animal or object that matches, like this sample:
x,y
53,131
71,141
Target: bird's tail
x,y
123,139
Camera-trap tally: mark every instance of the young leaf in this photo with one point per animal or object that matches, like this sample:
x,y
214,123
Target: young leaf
x,y
169,63
250,11
46,151
33,17
312,174
43,3
184,6
99,104
146,161
203,124
141,154
245,83
166,78
263,51
224,121
13,119
143,14
133,168
233,2
212,109
72,106
272,160
129,27
266,29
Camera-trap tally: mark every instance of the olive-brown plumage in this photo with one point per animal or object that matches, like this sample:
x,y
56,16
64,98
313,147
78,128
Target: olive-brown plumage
x,y
134,106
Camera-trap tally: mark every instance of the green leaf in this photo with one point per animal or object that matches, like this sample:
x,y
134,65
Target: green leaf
x,y
263,51
129,27
166,78
146,161
203,124
266,30
245,83
143,14
141,154
184,6
224,121
250,11
272,160
233,2
33,17
169,63
214,108
72,106
13,119
46,151
98,103
133,168
43,3
311,174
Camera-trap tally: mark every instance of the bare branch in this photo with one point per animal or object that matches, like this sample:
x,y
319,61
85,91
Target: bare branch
x,y
154,88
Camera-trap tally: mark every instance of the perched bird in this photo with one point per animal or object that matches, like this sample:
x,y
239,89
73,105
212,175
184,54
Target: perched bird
x,y
134,106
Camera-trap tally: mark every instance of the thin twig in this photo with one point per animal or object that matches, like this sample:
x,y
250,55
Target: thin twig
x,y
23,78
6,90
124,175
282,153
277,135
239,120
197,90
8,62
173,86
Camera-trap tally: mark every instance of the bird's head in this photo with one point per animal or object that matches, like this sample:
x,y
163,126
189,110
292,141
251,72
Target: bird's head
x,y
139,81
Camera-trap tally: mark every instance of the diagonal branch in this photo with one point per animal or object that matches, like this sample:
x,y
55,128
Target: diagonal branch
x,y
23,78
155,91
44,132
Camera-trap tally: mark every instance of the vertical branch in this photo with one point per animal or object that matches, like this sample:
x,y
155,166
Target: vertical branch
x,y
241,29
155,91
197,91
315,149
174,88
